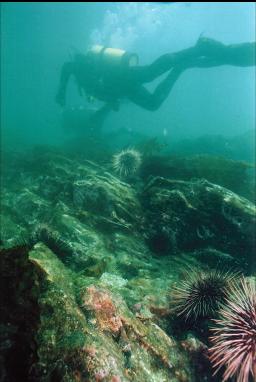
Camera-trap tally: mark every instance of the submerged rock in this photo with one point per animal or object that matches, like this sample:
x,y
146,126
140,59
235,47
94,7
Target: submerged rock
x,y
90,293
86,334
184,216
235,175
19,314
108,198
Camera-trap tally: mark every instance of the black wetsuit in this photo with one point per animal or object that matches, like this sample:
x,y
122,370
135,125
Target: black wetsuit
x,y
112,84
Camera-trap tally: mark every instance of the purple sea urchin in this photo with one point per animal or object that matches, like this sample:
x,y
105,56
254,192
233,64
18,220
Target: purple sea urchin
x,y
234,340
127,162
200,294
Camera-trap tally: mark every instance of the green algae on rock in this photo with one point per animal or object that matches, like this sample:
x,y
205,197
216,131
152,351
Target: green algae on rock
x,y
93,257
233,174
80,338
188,215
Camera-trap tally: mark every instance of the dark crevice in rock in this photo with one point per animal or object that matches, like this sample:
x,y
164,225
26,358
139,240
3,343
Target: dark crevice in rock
x,y
19,315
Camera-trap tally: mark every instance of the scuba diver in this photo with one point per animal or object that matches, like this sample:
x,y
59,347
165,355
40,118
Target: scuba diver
x,y
110,75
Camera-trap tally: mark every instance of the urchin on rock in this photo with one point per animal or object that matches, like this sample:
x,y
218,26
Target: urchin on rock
x,y
127,162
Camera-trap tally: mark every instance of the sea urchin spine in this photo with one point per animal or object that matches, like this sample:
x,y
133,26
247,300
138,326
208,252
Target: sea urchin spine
x,y
201,293
127,162
234,340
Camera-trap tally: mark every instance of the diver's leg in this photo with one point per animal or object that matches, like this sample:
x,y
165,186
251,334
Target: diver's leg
x,y
205,48
243,54
234,56
148,73
152,102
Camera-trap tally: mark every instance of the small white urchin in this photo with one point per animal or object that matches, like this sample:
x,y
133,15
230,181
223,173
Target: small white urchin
x,y
127,162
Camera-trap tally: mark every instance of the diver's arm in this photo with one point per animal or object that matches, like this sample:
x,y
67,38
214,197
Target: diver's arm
x,y
66,71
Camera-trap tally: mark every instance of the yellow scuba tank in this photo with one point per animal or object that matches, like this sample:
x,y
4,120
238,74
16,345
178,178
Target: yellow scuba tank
x,y
112,57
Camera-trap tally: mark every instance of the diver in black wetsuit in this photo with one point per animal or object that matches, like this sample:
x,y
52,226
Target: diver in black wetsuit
x,y
108,81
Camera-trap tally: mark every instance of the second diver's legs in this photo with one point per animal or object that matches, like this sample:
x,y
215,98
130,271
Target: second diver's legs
x,y
142,97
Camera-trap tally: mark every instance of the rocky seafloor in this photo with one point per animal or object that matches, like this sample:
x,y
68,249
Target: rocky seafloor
x,y
89,261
